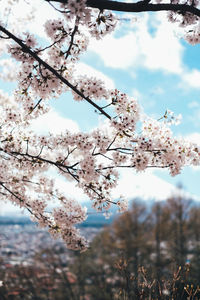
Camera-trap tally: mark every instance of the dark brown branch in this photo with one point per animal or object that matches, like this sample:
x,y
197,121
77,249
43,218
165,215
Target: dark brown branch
x,y
71,41
26,49
40,159
140,6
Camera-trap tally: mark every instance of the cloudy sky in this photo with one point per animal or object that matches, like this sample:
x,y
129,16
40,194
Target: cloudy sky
x,y
147,58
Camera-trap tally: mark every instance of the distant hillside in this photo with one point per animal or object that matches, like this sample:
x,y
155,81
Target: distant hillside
x,y
96,220
12,220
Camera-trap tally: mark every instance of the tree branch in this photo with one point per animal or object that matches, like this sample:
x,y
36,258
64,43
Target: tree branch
x,y
26,49
140,6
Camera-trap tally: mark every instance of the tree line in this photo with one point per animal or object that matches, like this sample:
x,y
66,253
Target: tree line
x,y
149,252
152,251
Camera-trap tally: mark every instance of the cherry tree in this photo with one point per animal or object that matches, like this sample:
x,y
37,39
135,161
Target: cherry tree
x,y
91,160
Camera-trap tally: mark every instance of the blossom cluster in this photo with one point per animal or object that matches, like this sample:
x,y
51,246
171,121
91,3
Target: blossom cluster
x,y
185,19
127,112
99,23
90,87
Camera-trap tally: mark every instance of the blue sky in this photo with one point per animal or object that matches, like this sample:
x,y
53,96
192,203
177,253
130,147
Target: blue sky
x,y
148,59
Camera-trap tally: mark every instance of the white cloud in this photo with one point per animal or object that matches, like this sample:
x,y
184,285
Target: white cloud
x,y
194,138
136,94
192,78
151,42
54,123
143,185
194,117
147,186
11,209
161,50
84,69
194,104
70,189
117,52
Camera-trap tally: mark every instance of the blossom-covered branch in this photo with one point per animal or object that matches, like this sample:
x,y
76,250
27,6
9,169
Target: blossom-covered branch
x,y
26,49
